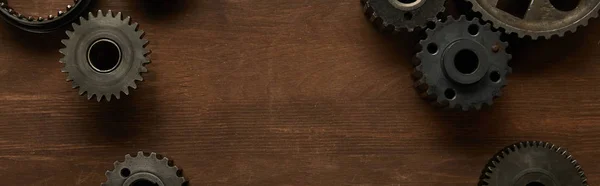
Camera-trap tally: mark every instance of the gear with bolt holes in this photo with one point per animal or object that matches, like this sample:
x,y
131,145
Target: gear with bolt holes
x,y
462,64
396,15
105,55
533,163
144,169
537,18
37,24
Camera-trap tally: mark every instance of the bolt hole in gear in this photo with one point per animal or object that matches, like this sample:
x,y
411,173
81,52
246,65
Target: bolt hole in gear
x,y
463,66
399,15
145,169
43,24
105,55
533,163
537,18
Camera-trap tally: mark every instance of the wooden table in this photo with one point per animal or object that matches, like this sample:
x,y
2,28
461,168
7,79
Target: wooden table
x,y
261,92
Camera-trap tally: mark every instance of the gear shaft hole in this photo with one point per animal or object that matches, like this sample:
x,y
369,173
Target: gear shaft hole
x,y
407,1
143,182
466,61
104,55
535,183
565,5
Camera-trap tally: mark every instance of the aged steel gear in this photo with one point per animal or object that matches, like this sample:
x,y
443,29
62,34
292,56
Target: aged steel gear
x,y
533,163
537,18
45,24
396,15
105,55
144,169
462,64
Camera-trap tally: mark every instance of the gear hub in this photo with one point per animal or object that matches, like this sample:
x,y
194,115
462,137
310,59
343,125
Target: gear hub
x,y
533,163
462,65
105,55
396,15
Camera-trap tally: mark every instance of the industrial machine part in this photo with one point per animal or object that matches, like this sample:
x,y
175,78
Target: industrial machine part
x,y
398,15
144,169
43,24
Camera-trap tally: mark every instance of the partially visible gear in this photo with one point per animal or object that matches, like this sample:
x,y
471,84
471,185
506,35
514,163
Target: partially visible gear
x,y
462,64
105,55
537,18
397,15
37,24
533,163
144,169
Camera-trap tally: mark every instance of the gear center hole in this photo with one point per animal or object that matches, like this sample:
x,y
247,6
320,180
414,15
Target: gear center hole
x,y
104,55
466,61
535,183
143,182
407,1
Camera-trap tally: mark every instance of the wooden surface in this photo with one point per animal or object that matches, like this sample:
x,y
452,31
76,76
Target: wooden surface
x,y
259,92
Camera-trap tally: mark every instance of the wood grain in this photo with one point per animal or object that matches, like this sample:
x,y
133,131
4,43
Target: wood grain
x,y
260,92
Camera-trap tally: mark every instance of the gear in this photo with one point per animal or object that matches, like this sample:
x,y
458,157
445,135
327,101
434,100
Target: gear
x,y
105,55
536,18
43,24
402,14
533,163
462,64
144,169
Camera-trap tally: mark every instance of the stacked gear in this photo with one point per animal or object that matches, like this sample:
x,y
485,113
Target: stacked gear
x,y
46,24
145,169
462,63
104,55
533,163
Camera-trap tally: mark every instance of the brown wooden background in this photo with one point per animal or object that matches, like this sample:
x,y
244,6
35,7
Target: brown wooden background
x,y
260,92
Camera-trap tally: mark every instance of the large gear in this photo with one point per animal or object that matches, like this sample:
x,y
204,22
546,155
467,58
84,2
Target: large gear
x,y
462,64
537,18
144,169
397,15
37,24
533,163
105,55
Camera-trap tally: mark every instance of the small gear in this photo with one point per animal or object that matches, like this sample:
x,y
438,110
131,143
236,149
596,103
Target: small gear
x,y
105,55
537,18
46,24
533,163
144,169
462,64
396,15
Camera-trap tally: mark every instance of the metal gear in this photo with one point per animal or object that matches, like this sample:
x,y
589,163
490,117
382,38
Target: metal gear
x,y
462,64
533,163
537,18
144,169
43,24
105,55
396,15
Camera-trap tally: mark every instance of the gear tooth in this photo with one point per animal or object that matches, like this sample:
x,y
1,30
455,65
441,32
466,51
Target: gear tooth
x,y
74,85
128,157
125,91
98,97
119,16
138,77
127,20
140,154
110,14
82,20
69,33
107,174
100,13
116,164
153,155
81,90
108,97
91,15
64,42
63,52
118,95
143,69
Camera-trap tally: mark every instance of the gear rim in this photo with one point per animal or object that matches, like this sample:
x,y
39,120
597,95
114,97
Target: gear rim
x,y
128,37
145,167
387,16
43,24
509,22
534,152
440,82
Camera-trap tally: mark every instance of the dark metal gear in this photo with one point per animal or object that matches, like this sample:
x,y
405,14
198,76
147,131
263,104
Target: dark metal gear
x,y
44,24
396,15
537,18
462,64
533,163
144,169
105,55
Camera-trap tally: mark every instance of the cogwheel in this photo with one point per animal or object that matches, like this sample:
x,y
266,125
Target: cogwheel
x,y
462,64
396,15
105,55
537,18
144,169
533,163
37,24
